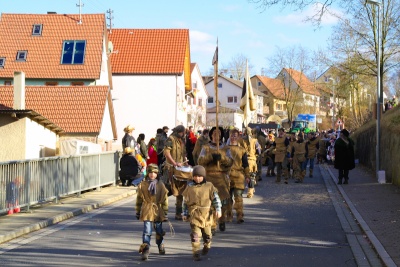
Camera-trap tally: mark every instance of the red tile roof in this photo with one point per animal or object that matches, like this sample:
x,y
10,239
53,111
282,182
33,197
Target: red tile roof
x,y
305,84
149,51
275,86
75,109
44,52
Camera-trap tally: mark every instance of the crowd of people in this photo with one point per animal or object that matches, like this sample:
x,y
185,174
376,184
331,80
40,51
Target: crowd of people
x,y
209,172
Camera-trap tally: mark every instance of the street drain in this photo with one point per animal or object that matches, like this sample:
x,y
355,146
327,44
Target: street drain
x,y
320,243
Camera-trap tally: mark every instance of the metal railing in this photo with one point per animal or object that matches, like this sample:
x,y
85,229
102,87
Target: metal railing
x,y
28,182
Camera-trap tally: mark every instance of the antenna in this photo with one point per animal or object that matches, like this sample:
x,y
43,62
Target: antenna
x,y
80,11
110,18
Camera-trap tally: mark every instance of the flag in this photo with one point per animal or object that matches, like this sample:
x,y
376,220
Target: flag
x,y
248,101
215,58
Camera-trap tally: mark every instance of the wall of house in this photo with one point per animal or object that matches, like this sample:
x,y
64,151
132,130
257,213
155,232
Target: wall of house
x,y
106,133
12,134
104,71
228,89
225,120
40,142
148,102
194,110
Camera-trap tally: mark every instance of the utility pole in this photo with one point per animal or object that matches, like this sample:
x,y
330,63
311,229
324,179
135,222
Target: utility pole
x,y
110,18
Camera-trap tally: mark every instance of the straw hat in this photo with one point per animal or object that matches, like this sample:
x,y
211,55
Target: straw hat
x,y
129,128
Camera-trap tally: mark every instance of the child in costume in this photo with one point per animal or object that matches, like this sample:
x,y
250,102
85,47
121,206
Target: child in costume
x,y
152,209
198,197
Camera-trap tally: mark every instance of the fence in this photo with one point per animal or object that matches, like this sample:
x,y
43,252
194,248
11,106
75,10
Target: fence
x,y
29,182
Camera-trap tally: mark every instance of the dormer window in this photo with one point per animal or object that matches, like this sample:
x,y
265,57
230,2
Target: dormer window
x,y
2,62
21,55
37,29
73,52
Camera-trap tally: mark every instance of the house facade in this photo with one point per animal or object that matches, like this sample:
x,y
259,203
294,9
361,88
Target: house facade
x,y
152,79
65,79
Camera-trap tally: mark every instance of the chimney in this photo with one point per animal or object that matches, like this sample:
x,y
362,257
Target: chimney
x,y
19,90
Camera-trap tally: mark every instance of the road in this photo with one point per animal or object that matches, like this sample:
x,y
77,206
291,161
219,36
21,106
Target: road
x,y
285,225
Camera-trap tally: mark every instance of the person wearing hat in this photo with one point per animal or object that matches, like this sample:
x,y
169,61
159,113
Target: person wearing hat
x,y
312,148
253,150
152,209
217,163
128,140
198,197
129,167
344,156
175,156
298,156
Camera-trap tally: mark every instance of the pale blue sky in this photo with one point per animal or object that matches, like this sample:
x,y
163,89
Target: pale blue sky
x,y
241,28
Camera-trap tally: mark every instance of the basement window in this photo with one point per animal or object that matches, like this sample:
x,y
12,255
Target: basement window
x,y
73,52
2,62
37,29
21,55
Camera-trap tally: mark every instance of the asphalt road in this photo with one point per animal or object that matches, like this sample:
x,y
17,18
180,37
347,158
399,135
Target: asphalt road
x,y
285,225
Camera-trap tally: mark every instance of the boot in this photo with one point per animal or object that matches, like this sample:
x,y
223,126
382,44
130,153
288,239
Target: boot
x,y
250,192
161,249
311,173
196,250
278,179
145,251
239,209
222,226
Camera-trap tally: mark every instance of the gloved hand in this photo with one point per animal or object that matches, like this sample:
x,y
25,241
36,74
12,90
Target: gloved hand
x,y
138,216
216,157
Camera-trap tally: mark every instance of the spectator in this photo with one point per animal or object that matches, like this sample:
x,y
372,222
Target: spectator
x,y
344,156
142,147
128,140
152,152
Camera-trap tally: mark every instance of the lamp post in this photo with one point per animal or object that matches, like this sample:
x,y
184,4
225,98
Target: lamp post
x,y
378,83
334,102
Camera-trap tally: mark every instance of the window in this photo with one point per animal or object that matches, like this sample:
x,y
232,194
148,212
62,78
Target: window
x,y
73,52
77,83
210,100
232,99
7,82
21,55
199,119
37,29
259,83
219,85
200,102
189,100
51,83
194,101
278,106
194,85
2,62
189,117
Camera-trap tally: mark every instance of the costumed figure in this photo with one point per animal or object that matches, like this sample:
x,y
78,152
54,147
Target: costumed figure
x,y
280,144
299,155
312,148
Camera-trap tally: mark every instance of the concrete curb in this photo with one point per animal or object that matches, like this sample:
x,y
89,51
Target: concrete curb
x,y
387,260
62,217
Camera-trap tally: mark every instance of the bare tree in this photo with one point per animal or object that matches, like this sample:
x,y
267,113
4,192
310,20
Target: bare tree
x,y
236,67
284,62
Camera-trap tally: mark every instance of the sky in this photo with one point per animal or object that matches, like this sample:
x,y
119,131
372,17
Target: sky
x,y
240,27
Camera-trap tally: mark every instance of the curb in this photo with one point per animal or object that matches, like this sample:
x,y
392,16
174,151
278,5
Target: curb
x,y
62,217
385,257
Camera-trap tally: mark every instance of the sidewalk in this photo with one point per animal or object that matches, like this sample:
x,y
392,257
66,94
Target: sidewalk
x,y
41,216
376,207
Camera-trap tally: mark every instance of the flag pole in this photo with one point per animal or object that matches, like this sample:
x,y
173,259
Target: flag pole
x,y
215,63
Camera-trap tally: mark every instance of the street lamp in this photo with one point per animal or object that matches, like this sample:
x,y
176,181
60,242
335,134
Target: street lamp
x,y
334,102
378,84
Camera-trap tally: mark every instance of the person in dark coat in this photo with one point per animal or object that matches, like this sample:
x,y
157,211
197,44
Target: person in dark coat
x,y
129,167
344,156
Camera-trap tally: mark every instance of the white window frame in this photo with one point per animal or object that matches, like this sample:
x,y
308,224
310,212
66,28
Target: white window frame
x,y
37,33
21,55
2,62
234,99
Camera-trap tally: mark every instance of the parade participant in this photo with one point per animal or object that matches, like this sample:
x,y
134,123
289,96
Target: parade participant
x,y
262,140
280,145
216,159
238,176
175,155
198,198
161,137
298,155
312,148
190,142
344,156
322,149
201,141
253,149
292,140
128,140
152,209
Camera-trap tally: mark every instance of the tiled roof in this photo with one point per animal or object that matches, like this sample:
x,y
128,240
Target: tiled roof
x,y
275,86
45,51
75,109
305,84
149,51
